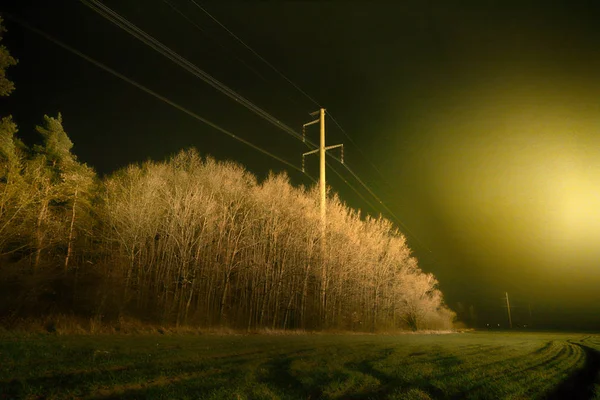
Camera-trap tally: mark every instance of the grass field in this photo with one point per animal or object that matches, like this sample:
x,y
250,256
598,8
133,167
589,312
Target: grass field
x,y
478,365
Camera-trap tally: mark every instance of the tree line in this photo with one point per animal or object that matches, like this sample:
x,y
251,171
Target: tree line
x,y
194,241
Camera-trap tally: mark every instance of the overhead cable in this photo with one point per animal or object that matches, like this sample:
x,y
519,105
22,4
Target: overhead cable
x,y
306,95
255,53
150,41
152,93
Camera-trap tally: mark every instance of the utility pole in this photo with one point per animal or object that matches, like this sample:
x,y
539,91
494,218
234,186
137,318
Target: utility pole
x,y
322,186
321,150
508,307
323,194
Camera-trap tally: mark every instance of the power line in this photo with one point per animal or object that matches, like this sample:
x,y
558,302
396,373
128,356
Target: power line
x,y
151,92
281,74
256,54
223,47
386,207
198,27
308,97
196,116
150,41
382,177
357,147
352,187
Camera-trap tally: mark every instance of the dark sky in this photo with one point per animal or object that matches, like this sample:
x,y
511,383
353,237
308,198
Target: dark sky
x,y
483,118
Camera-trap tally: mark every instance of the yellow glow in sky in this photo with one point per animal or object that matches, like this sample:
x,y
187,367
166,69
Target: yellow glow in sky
x,y
518,174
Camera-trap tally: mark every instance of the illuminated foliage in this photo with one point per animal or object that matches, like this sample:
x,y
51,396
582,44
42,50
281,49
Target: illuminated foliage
x,y
6,61
202,242
194,241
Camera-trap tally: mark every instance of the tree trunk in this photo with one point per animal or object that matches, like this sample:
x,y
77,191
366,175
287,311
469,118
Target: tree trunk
x,y
287,310
40,234
224,298
70,242
304,296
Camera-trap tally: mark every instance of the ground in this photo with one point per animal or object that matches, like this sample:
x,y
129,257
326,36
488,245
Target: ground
x,y
474,365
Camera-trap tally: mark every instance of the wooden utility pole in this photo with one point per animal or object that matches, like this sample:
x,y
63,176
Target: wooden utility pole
x,y
321,150
323,195
322,187
508,308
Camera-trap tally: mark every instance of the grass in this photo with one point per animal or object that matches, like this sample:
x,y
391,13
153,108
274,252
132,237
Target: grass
x,y
478,365
593,342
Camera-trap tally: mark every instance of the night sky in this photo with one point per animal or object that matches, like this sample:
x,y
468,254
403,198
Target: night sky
x,y
483,119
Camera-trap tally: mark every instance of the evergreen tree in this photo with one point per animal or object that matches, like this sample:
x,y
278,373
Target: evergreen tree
x,y
61,182
57,145
11,194
6,60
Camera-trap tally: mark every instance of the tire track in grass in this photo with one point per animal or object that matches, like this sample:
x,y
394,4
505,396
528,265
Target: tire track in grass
x,y
544,348
524,362
153,376
136,390
553,373
582,383
366,366
449,361
327,375
517,382
391,383
228,371
280,376
537,379
99,364
440,358
469,376
105,379
83,381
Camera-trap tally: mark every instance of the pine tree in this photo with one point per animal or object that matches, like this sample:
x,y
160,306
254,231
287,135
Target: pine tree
x,y
62,183
6,60
11,194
